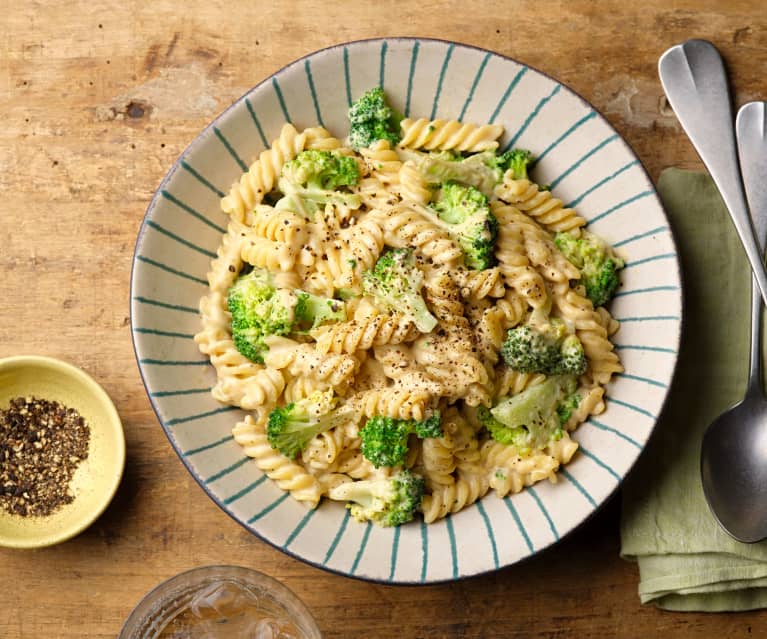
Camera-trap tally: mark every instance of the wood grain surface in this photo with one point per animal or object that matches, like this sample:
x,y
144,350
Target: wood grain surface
x,y
98,99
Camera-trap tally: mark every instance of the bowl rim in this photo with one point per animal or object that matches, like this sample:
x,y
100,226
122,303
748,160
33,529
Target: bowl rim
x,y
112,480
599,116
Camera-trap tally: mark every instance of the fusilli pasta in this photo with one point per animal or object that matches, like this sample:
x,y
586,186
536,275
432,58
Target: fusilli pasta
x,y
318,250
449,135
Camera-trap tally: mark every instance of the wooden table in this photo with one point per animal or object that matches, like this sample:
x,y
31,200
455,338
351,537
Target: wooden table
x,y
97,100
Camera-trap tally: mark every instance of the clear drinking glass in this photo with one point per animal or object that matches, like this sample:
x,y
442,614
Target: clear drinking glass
x,y
220,602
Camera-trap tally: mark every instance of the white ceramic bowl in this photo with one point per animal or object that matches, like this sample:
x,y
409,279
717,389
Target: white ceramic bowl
x,y
587,164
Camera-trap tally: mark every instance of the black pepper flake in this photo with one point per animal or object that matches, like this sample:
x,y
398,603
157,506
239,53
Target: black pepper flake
x,y
41,444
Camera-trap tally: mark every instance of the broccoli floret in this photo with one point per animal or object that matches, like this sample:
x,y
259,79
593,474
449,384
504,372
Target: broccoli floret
x,y
384,439
572,358
517,436
546,348
322,170
312,178
596,261
530,420
313,310
483,171
395,282
517,160
258,311
470,223
479,170
291,427
371,119
386,502
566,408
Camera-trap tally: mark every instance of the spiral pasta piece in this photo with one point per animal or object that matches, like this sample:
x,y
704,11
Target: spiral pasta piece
x,y
437,460
363,334
263,253
490,333
261,176
610,324
465,443
298,388
382,162
515,267
577,310
448,357
330,270
322,450
288,475
477,285
514,308
279,226
562,449
341,254
508,472
413,186
362,244
449,135
351,462
509,382
259,390
405,227
450,498
443,297
396,360
456,371
319,139
409,397
393,402
591,403
227,263
305,361
538,245
541,205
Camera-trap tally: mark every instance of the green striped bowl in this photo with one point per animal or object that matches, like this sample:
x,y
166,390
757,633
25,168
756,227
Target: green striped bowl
x,y
588,165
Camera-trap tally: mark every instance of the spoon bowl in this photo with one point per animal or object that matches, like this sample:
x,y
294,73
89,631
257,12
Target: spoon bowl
x,y
734,468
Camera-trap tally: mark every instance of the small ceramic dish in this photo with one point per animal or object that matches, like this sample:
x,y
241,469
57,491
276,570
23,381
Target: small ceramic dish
x,y
96,478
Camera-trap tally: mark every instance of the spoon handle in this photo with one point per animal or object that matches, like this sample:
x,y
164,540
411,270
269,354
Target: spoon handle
x,y
695,82
751,130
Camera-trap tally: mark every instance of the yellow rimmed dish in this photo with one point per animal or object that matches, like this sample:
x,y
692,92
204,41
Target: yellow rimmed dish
x,y
96,479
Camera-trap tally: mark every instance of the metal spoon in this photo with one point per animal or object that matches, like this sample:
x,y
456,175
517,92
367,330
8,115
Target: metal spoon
x,y
695,83
734,451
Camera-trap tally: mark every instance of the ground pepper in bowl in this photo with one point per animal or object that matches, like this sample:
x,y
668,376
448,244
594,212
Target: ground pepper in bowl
x,y
42,443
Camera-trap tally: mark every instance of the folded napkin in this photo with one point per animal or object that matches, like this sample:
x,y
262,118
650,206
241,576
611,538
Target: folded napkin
x,y
686,562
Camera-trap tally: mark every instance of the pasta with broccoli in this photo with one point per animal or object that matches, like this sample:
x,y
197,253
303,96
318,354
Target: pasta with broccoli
x,y
409,320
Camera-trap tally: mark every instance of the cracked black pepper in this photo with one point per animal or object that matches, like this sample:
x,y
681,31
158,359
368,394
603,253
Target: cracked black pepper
x,y
41,445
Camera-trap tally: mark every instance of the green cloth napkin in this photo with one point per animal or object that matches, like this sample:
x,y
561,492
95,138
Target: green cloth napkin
x,y
686,562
